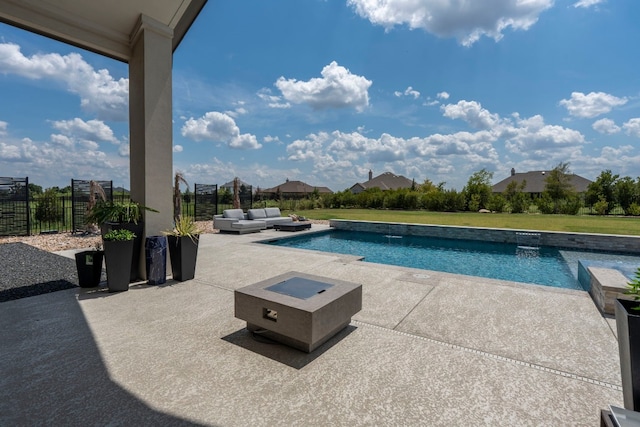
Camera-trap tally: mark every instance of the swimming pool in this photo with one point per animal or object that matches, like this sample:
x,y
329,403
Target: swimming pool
x,y
547,266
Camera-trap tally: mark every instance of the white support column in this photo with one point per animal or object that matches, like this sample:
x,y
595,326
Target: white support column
x,y
150,123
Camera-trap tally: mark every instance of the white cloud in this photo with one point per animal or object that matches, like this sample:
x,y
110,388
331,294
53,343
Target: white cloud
x,y
219,127
606,126
91,130
272,101
467,21
3,128
632,127
337,88
99,92
178,148
443,95
587,3
532,138
9,152
409,91
269,139
591,105
472,113
444,157
43,161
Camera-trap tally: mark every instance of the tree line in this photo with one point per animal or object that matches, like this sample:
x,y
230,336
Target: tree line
x,y
559,196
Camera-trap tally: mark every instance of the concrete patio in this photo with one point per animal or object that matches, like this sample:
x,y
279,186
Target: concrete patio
x,y
427,348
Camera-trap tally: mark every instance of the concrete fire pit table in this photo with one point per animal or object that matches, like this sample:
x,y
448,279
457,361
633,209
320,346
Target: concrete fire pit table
x,y
297,309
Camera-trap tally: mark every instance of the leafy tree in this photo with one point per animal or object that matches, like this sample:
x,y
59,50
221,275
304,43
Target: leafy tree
x,y
626,193
516,197
478,190
602,189
225,196
559,192
34,189
427,186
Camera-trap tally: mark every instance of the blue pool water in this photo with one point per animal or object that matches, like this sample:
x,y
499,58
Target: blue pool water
x,y
544,266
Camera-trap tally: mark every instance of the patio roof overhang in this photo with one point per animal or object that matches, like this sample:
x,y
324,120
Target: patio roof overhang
x,y
104,27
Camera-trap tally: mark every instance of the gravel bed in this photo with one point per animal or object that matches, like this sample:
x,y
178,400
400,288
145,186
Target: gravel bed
x,y
29,271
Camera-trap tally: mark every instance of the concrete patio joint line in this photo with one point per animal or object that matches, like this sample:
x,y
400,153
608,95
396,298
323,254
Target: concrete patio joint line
x,y
410,311
497,357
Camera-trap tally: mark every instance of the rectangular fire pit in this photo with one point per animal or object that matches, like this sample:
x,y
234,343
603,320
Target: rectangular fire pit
x,y
297,309
292,226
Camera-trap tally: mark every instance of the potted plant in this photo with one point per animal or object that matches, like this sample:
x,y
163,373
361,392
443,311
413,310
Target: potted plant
x,y
628,326
183,248
122,215
89,267
118,252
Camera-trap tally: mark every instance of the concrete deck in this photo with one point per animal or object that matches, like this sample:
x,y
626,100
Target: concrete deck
x,y
427,348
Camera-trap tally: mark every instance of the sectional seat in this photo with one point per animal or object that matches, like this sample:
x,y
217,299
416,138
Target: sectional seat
x,y
271,216
235,221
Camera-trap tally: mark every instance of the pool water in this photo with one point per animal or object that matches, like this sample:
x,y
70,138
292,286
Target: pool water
x,y
543,266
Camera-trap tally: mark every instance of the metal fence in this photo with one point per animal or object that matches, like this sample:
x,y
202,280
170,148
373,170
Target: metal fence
x,y
22,215
14,206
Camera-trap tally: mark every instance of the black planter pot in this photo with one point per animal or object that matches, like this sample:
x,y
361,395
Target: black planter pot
x,y
628,326
89,266
183,252
118,256
138,230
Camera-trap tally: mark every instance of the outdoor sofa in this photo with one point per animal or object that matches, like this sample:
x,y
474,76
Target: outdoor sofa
x,y
271,216
236,221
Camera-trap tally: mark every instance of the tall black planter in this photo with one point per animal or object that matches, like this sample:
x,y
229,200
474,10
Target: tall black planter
x,y
138,230
118,256
89,266
628,326
183,251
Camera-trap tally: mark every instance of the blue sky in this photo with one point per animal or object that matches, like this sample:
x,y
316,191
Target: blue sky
x,y
324,91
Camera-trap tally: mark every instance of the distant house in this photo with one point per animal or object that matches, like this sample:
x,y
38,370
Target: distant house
x,y
536,182
292,190
229,185
385,181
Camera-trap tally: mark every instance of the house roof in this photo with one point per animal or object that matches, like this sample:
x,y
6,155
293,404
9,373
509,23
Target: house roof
x,y
536,182
298,187
240,184
385,181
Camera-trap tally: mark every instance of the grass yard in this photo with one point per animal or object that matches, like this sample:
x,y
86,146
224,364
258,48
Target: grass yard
x,y
568,223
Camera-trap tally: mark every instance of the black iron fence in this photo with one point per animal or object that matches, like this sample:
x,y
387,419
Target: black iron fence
x,y
23,215
14,206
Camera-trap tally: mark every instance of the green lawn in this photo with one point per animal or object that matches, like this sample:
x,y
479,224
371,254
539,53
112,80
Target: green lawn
x,y
569,223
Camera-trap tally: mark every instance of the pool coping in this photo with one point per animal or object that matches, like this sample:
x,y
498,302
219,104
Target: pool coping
x,y
583,241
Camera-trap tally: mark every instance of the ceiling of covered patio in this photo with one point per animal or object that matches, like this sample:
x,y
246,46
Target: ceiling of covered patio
x,y
102,27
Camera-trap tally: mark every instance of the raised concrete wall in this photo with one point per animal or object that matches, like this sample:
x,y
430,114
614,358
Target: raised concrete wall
x,y
599,242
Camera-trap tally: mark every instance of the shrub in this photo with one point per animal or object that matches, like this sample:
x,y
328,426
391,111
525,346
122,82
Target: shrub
x,y
47,208
601,206
474,203
497,203
634,209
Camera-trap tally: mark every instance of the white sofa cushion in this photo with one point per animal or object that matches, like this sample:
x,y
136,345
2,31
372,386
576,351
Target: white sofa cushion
x,y
233,213
256,213
272,212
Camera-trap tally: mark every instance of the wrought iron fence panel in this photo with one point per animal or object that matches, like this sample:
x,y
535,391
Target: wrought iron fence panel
x,y
246,197
205,203
14,207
